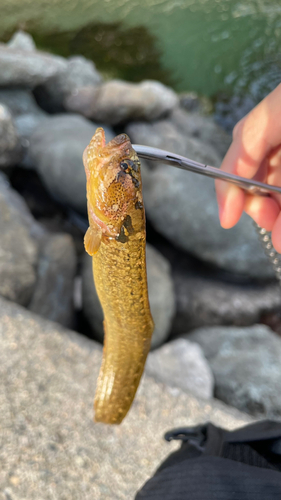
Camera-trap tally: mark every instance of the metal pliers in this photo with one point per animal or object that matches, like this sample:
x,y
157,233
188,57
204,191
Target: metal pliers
x,y
250,185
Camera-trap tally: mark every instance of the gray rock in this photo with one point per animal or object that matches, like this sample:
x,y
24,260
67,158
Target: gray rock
x,y
192,102
246,365
182,364
205,299
160,291
117,101
48,378
27,124
79,73
202,128
27,117
22,68
183,207
19,102
53,294
56,149
22,41
10,146
18,246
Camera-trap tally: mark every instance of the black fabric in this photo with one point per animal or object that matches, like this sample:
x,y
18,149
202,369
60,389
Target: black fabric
x,y
213,463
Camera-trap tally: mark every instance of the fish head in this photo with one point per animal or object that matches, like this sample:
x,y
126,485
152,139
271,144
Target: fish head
x,y
113,181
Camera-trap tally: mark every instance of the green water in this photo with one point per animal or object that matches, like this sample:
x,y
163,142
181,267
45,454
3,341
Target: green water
x,y
214,47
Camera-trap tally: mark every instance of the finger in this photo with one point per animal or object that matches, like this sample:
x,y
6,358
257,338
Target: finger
x,y
258,134
264,210
230,198
253,139
276,234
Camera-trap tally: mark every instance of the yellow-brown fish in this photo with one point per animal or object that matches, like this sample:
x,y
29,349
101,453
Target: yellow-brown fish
x,y
116,241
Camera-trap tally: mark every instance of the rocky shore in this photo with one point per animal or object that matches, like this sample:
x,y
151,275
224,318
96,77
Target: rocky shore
x,y
210,290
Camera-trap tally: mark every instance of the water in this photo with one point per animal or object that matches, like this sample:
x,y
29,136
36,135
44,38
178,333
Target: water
x,y
228,50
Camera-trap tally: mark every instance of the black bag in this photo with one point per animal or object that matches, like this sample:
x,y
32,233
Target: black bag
x,y
215,464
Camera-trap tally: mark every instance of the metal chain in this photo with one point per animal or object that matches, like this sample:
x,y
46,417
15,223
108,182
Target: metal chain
x,y
273,256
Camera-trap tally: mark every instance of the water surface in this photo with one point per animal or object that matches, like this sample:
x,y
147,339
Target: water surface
x,y
216,47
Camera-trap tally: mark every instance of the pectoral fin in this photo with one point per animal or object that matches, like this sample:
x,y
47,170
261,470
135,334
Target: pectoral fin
x,y
92,240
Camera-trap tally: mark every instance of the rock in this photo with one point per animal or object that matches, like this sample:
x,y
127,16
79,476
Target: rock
x,y
56,149
23,68
10,146
202,128
27,117
53,294
18,246
19,102
27,124
182,205
79,73
190,101
117,101
246,365
203,298
182,364
229,110
160,291
48,378
22,41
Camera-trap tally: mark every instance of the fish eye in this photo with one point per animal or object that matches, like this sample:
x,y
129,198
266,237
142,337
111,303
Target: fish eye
x,y
124,165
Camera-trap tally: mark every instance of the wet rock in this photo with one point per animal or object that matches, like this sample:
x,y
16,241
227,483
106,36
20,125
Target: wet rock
x,y
79,73
53,293
117,101
10,146
182,364
56,149
18,246
23,68
160,291
22,41
183,207
205,298
48,378
246,365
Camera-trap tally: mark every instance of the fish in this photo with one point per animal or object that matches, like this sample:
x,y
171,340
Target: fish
x,y
116,240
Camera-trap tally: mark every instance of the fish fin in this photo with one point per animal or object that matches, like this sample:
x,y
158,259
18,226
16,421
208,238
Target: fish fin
x,y
92,240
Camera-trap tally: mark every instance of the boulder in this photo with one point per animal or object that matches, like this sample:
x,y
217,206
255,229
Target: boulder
x,y
22,41
205,297
182,205
48,378
56,148
160,291
10,146
246,365
53,294
79,73
19,102
18,246
202,128
191,101
116,101
181,363
27,117
24,68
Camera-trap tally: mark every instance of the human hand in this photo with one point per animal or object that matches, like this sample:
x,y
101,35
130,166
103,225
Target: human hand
x,y
255,153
